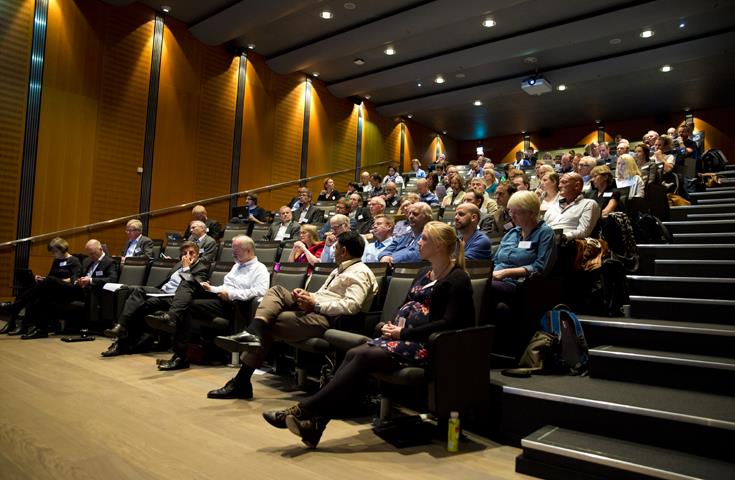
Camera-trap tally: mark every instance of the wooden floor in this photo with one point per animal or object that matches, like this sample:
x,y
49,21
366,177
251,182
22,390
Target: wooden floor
x,y
65,412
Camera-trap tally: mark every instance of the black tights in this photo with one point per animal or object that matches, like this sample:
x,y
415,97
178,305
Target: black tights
x,y
354,371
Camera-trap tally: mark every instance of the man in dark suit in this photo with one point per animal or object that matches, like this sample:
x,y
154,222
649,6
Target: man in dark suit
x,y
308,213
213,228
359,214
97,269
138,245
207,245
284,230
178,285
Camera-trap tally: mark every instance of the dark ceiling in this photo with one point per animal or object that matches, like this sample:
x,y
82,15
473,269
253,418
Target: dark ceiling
x,y
594,47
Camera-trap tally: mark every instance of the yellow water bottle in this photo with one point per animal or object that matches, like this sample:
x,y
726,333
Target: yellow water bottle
x,y
453,432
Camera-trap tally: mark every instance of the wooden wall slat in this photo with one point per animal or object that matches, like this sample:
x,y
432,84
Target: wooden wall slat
x,y
16,29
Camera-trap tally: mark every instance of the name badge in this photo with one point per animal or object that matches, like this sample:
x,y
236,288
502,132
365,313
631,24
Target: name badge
x,y
607,194
359,217
430,284
508,225
98,274
286,235
137,250
525,244
63,264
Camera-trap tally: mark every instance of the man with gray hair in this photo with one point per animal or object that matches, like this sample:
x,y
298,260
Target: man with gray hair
x,y
382,232
406,248
248,279
586,164
138,244
575,215
207,245
212,227
339,223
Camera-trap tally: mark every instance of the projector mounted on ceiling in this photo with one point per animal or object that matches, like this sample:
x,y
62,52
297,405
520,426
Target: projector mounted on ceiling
x,y
536,86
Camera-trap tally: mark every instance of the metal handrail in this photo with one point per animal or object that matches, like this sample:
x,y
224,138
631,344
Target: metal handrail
x,y
174,208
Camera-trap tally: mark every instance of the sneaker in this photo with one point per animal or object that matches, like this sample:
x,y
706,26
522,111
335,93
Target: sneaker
x,y
277,418
310,429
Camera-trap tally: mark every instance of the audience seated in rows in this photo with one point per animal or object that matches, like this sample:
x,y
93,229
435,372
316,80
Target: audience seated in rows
x,y
382,232
207,246
308,248
425,195
285,229
306,212
477,245
393,177
338,224
328,193
405,249
211,227
575,215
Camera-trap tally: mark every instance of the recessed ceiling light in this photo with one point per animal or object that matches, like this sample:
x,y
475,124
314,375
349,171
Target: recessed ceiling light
x,y
368,97
488,23
418,84
315,74
350,6
358,61
530,59
165,9
477,103
666,68
326,14
251,46
460,75
410,115
682,24
439,79
686,109
615,41
647,33
390,50
561,87
444,132
598,121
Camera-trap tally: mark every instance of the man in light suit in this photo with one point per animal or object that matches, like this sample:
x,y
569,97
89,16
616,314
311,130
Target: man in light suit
x,y
138,245
179,284
308,213
284,230
207,245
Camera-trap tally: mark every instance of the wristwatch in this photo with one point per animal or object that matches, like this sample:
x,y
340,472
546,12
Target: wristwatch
x,y
317,308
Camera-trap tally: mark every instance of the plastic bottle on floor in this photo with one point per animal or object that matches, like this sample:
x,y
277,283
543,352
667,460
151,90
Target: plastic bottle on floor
x,y
453,432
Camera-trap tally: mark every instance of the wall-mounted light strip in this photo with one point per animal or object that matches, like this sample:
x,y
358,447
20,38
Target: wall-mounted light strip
x,y
358,147
30,136
242,72
403,145
146,179
437,149
526,142
305,130
600,133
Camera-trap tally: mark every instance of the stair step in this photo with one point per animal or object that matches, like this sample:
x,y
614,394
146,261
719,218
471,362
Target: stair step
x,y
669,369
687,309
649,253
697,423
710,216
669,335
719,193
680,213
673,286
704,238
558,453
700,226
693,268
717,201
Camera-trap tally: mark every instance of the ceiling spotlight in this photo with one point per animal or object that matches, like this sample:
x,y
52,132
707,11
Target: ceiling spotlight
x,y
444,132
682,24
165,9
488,23
686,109
647,33
418,84
315,74
439,79
666,68
561,87
358,61
326,14
350,6
410,115
251,46
477,103
368,97
390,50
531,81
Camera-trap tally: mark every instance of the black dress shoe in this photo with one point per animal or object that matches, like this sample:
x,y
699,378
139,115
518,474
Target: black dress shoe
x,y
277,418
309,428
118,331
176,363
163,321
34,333
20,328
114,350
231,390
239,342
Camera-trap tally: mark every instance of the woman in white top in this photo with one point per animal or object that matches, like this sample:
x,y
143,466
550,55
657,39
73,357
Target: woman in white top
x,y
549,190
393,177
627,174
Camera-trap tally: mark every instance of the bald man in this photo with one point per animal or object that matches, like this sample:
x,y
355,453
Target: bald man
x,y
213,228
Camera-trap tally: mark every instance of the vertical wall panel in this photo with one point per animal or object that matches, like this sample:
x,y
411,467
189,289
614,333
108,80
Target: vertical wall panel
x,y
16,28
419,144
381,140
288,92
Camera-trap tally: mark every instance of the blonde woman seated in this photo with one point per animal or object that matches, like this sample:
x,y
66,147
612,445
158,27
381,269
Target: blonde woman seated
x,y
455,198
308,248
440,299
627,174
541,171
549,190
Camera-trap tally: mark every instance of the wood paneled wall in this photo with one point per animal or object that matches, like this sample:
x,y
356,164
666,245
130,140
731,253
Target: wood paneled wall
x,y
381,140
195,122
16,26
419,144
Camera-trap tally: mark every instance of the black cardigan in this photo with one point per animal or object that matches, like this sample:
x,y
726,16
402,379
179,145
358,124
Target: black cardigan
x,y
452,307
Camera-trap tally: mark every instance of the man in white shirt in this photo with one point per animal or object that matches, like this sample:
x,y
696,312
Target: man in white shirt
x,y
284,230
296,315
574,214
383,233
247,280
339,223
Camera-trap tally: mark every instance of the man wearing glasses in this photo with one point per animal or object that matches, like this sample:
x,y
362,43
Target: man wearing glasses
x,y
138,245
339,223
